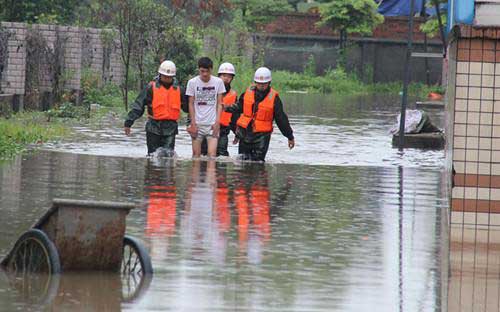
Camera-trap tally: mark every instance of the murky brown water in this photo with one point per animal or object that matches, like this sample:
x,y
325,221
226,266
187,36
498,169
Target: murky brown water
x,y
230,236
328,131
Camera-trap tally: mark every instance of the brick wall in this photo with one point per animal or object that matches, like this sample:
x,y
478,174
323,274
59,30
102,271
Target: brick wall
x,y
13,75
306,24
81,48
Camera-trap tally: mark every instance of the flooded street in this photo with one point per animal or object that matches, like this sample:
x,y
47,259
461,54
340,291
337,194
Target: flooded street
x,y
328,131
341,223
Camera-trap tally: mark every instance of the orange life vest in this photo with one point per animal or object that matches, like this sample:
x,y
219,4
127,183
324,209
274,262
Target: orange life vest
x,y
166,102
228,100
263,118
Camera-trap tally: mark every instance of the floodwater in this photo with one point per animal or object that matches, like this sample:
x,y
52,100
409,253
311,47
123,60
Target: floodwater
x,y
341,223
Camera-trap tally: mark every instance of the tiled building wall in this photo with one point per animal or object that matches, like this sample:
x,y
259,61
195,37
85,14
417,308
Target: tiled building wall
x,y
474,147
476,126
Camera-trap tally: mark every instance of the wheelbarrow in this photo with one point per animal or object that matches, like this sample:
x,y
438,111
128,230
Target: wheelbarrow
x,y
80,235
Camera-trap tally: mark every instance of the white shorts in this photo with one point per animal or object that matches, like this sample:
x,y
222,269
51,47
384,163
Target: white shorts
x,y
204,131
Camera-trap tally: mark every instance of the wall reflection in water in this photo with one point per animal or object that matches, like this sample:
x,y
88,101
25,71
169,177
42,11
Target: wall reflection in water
x,y
474,262
89,291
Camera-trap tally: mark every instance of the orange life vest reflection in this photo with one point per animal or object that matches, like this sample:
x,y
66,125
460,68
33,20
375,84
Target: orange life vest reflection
x,y
222,206
161,211
253,208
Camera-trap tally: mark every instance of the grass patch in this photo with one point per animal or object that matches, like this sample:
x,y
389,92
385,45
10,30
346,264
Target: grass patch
x,y
22,129
336,82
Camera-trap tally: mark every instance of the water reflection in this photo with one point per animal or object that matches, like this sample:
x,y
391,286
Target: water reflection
x,y
238,236
91,291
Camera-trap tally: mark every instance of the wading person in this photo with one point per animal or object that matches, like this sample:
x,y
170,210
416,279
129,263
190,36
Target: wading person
x,y
257,108
205,106
163,102
226,72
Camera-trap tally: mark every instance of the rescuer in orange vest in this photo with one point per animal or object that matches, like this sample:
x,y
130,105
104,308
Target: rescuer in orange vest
x,y
253,117
163,101
226,73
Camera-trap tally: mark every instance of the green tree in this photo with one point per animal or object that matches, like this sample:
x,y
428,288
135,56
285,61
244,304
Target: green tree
x,y
431,26
295,4
39,11
350,16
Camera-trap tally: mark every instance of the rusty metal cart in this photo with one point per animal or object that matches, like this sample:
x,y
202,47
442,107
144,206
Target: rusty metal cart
x,y
76,235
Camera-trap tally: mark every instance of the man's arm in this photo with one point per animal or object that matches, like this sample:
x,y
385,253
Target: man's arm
x,y
138,107
282,121
184,101
192,125
220,107
236,111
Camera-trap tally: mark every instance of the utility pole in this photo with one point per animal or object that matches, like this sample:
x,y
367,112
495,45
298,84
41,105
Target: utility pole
x,y
407,77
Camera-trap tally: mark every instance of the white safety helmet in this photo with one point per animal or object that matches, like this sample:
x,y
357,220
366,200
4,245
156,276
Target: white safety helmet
x,y
226,68
167,68
262,75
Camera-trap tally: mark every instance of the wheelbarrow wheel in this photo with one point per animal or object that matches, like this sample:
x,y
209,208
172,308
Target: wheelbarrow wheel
x,y
34,252
136,258
136,269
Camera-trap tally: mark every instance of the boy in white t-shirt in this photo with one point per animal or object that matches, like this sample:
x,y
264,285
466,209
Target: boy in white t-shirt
x,y
205,106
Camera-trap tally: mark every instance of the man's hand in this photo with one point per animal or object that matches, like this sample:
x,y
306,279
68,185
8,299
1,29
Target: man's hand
x,y
236,140
291,144
127,131
192,130
215,129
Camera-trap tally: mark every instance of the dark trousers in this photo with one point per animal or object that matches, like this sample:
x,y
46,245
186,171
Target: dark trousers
x,y
222,143
255,149
155,141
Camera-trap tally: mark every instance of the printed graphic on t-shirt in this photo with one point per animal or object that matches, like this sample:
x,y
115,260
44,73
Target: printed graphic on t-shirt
x,y
205,96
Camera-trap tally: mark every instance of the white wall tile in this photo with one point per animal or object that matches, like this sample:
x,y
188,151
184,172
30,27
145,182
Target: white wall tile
x,y
487,106
459,166
473,118
485,143
471,167
474,93
461,105
459,154
485,156
486,118
462,80
475,67
459,142
487,93
463,67
487,81
474,105
461,92
488,69
461,117
459,129
485,131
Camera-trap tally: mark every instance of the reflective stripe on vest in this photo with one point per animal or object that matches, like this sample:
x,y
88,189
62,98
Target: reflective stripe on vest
x,y
166,102
228,100
263,118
